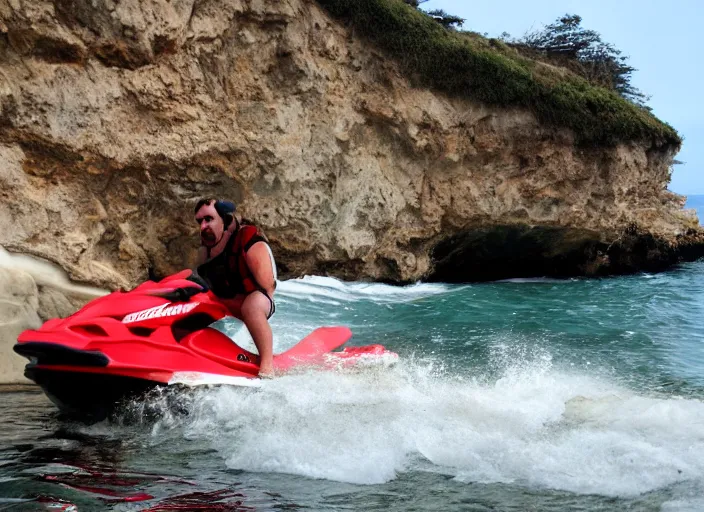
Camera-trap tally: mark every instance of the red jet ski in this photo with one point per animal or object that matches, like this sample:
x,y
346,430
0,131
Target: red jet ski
x,y
158,334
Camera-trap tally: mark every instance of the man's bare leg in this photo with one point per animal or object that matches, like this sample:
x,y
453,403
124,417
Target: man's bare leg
x,y
254,311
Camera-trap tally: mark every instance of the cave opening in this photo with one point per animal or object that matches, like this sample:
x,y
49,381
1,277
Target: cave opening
x,y
504,252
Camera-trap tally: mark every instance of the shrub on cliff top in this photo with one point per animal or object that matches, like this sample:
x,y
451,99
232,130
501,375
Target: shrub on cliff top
x,y
490,72
566,43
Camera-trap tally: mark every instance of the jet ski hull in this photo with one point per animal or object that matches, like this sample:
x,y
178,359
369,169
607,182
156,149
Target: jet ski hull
x,y
89,395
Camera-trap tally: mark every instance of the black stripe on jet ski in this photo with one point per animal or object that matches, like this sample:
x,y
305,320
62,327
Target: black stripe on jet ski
x,y
45,353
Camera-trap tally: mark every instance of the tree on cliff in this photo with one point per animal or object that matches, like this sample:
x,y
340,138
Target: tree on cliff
x,y
449,21
581,50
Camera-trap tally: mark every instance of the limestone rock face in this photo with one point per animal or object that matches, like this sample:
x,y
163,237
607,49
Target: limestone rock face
x,y
18,311
116,116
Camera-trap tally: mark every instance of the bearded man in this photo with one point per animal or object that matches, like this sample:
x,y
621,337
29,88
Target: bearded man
x,y
237,263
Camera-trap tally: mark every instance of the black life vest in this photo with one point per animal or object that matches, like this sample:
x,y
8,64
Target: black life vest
x,y
228,274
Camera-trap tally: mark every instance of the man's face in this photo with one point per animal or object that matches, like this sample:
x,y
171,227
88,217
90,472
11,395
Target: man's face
x,y
211,225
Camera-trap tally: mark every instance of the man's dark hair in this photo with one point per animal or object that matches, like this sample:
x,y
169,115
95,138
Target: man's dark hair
x,y
202,202
226,209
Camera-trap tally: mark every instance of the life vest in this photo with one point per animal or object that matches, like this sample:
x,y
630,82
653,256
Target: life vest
x,y
228,273
245,238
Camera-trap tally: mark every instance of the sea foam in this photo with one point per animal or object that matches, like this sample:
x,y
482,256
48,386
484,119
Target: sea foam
x,y
534,426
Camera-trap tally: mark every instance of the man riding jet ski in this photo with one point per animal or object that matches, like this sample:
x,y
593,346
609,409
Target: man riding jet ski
x,y
121,345
238,265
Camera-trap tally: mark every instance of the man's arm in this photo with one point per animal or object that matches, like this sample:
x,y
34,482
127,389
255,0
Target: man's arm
x,y
259,262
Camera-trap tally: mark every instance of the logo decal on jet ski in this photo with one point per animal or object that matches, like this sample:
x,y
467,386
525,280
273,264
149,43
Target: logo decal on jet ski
x,y
159,311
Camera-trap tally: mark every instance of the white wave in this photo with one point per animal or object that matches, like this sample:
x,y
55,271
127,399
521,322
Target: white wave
x,y
332,291
48,274
535,426
694,503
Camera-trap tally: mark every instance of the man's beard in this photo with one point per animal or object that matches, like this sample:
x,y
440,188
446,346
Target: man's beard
x,y
208,238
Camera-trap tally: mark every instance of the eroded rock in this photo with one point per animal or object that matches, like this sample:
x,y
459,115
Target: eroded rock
x,y
18,311
116,116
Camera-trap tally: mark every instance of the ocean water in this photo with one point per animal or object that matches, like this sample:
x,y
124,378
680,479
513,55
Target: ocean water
x,y
518,395
696,202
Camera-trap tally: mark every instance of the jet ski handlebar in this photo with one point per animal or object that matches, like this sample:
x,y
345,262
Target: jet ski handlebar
x,y
184,289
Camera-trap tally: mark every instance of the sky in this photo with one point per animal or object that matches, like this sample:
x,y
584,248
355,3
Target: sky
x,y
665,43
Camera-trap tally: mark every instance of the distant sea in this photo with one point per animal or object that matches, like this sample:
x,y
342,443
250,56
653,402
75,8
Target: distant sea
x,y
697,202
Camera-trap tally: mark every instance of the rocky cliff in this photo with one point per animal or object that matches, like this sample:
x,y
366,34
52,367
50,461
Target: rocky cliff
x,y
116,115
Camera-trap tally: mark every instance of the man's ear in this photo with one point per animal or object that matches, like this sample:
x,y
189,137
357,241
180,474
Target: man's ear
x,y
233,225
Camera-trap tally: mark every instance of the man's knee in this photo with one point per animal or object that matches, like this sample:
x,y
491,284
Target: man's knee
x,y
255,305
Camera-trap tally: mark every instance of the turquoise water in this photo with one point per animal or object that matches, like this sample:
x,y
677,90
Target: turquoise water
x,y
518,395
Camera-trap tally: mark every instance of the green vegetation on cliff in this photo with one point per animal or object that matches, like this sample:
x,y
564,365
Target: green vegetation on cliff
x,y
489,71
